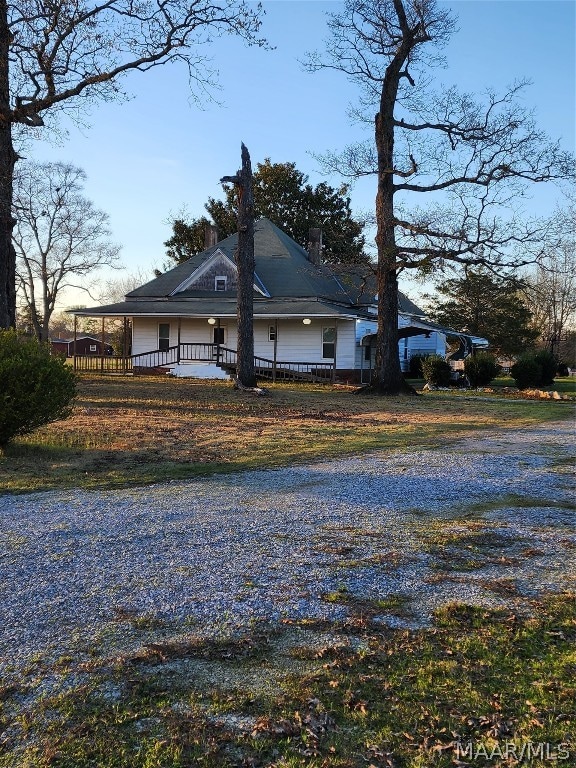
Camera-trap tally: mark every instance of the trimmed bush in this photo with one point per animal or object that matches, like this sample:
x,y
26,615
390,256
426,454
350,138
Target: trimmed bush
x,y
549,365
480,369
436,371
534,370
526,372
35,388
562,370
416,366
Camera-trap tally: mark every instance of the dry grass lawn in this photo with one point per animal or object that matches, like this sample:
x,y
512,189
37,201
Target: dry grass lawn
x,y
143,430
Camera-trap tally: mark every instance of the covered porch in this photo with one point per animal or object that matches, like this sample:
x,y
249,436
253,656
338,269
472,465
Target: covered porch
x,y
183,356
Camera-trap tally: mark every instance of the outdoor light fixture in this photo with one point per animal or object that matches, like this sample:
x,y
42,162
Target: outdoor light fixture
x,y
211,321
306,321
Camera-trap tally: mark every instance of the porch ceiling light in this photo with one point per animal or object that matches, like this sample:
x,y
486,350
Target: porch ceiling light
x,y
306,321
211,321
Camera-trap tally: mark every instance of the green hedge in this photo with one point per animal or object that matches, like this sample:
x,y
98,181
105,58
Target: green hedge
x,y
534,370
436,371
35,388
481,369
416,366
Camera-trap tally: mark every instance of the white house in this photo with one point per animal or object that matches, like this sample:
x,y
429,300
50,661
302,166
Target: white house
x,y
310,319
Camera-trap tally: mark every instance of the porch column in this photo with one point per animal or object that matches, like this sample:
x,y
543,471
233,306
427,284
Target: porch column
x,y
179,338
335,350
74,342
102,347
275,349
125,345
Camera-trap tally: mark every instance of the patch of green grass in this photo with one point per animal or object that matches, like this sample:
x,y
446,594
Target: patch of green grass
x,y
471,514
466,543
562,384
138,620
365,609
400,698
397,604
340,595
478,540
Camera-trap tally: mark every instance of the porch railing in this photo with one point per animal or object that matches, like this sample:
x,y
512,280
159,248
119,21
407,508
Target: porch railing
x,y
105,364
224,357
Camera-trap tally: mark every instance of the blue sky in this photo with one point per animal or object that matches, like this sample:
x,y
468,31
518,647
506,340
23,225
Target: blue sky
x,y
148,157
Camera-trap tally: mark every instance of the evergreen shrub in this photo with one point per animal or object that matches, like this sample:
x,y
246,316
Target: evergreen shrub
x,y
534,370
481,369
436,371
416,366
549,365
526,372
35,388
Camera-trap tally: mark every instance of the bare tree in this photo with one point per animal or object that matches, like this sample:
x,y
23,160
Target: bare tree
x,y
551,290
59,235
62,56
113,290
61,324
469,157
245,373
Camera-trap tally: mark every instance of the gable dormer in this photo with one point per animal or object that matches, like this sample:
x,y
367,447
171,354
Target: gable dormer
x,y
218,273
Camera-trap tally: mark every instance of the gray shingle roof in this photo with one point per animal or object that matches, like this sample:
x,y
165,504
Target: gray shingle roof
x,y
222,307
295,286
282,268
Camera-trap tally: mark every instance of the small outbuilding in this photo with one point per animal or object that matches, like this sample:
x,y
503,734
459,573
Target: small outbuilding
x,y
82,345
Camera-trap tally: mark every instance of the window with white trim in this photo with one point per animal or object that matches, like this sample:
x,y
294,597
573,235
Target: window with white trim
x,y
271,333
92,347
329,342
220,282
163,336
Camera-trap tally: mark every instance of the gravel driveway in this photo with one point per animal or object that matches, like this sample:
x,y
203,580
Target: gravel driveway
x,y
487,520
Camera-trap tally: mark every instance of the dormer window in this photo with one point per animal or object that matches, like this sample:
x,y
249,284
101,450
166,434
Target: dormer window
x,y
220,282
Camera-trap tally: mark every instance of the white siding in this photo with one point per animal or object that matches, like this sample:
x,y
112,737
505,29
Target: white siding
x,y
414,345
196,332
420,345
346,345
296,342
263,347
363,328
303,343
145,333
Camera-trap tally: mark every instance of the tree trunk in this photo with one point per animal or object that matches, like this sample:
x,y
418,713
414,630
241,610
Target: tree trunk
x,y
245,263
47,310
7,161
387,378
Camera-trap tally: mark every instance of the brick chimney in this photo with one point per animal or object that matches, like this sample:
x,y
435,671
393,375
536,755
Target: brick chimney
x,y
210,236
315,245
